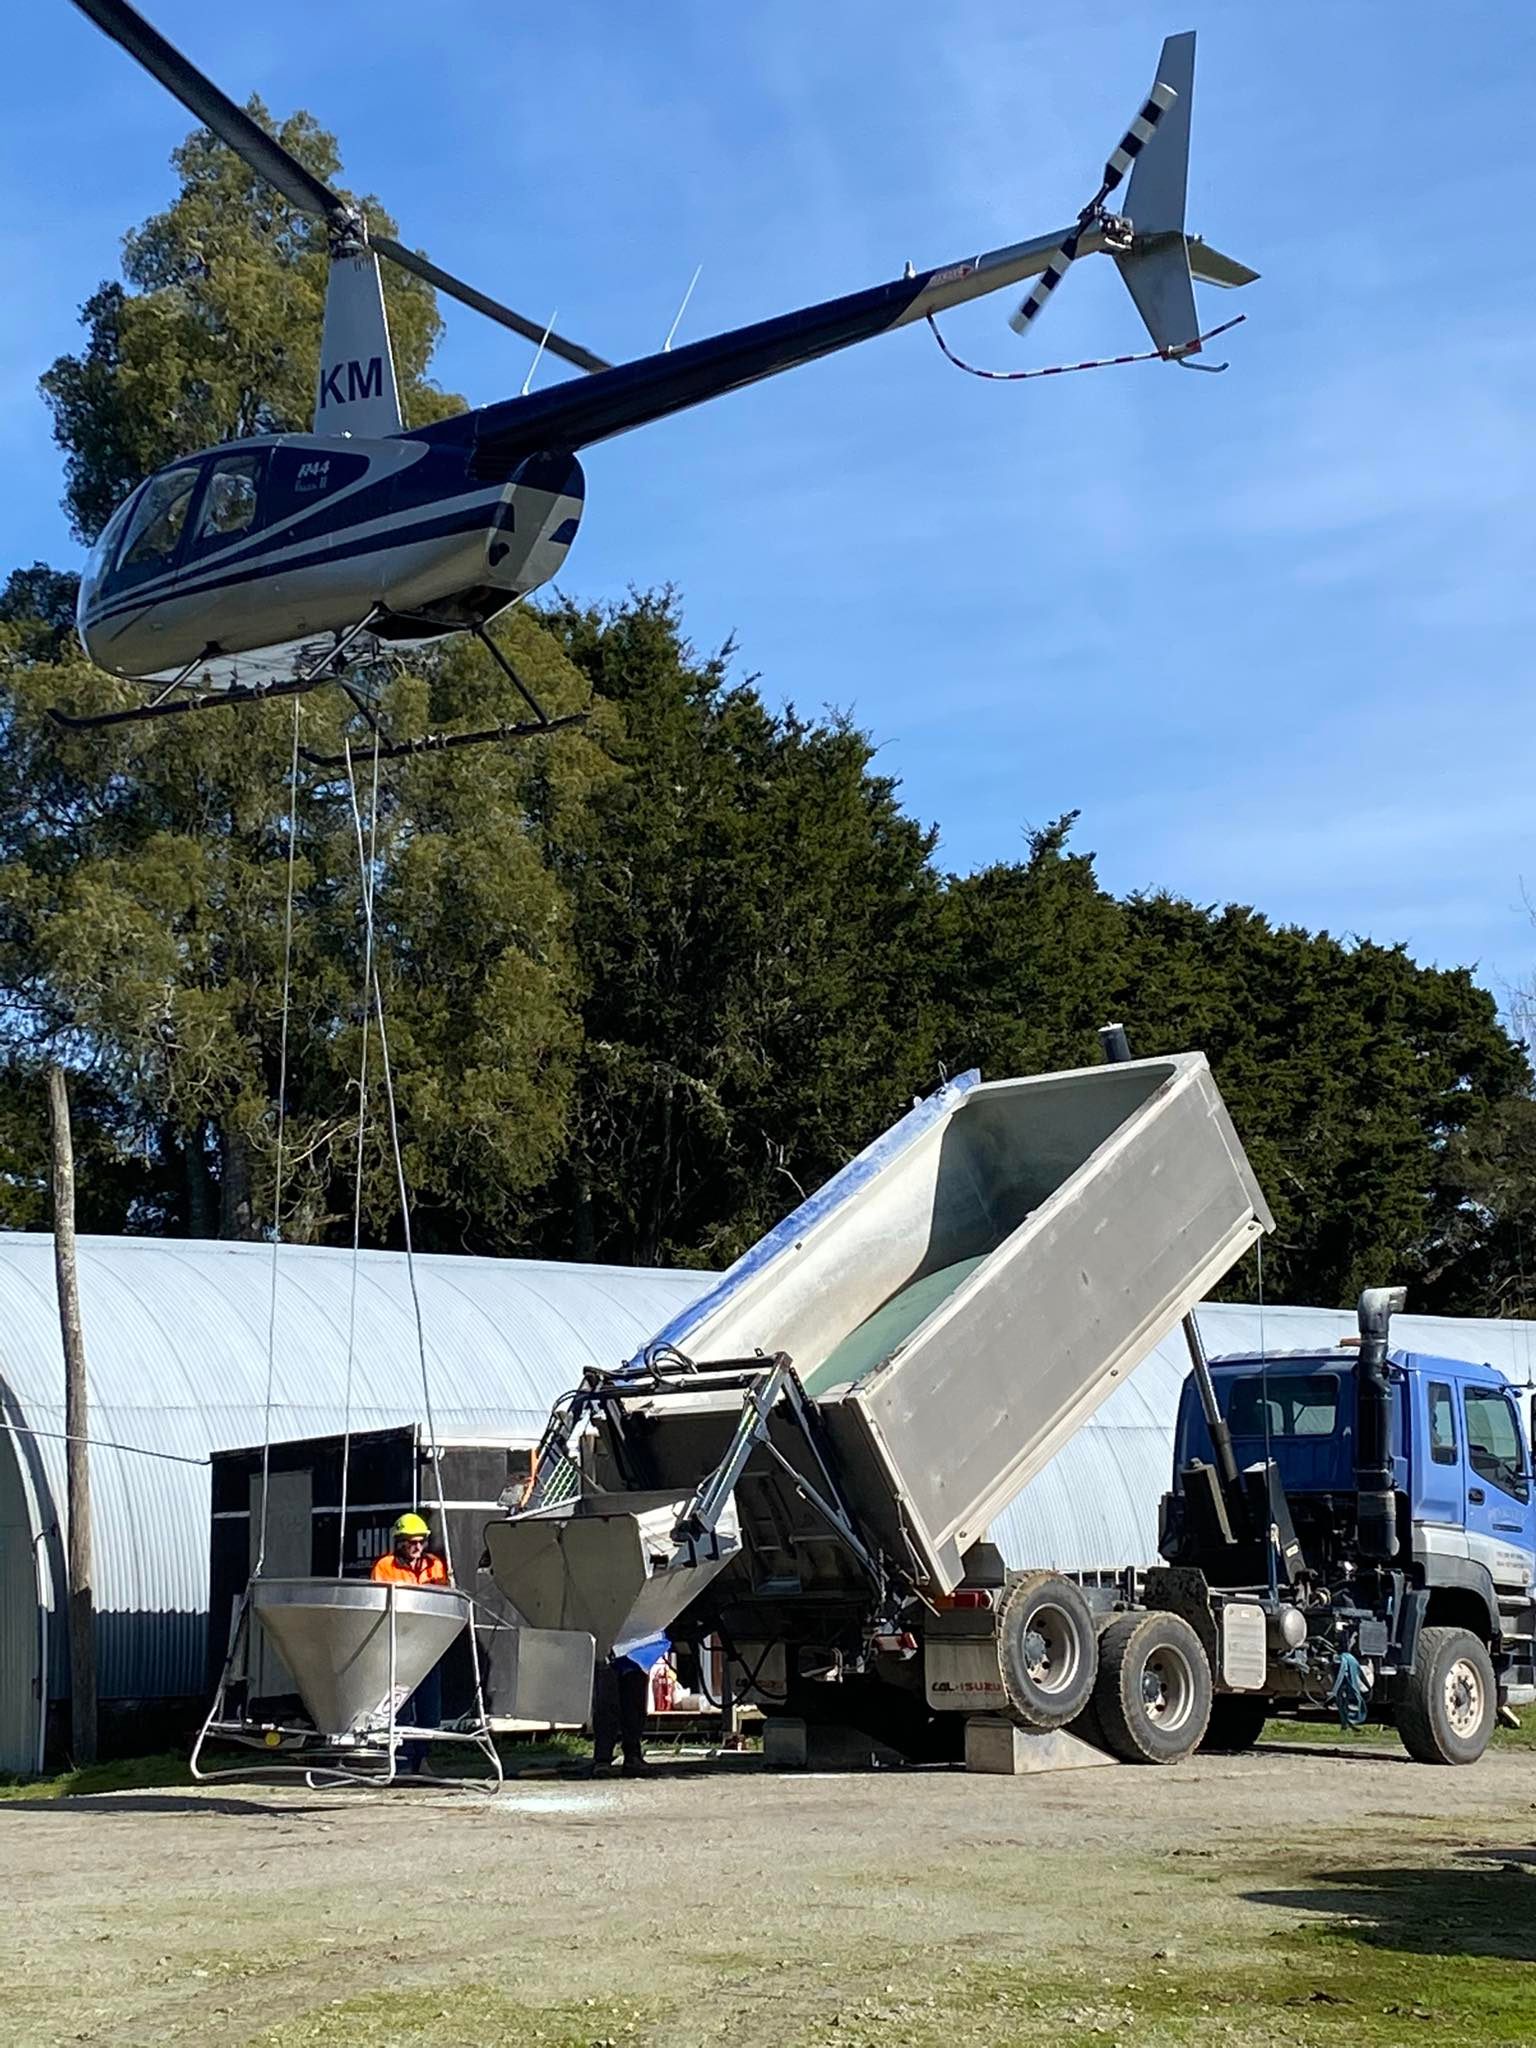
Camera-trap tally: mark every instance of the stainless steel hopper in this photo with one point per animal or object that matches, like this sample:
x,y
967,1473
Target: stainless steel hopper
x,y
356,1648
611,1565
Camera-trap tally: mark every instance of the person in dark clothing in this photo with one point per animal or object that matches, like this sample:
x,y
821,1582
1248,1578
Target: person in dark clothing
x,y
621,1686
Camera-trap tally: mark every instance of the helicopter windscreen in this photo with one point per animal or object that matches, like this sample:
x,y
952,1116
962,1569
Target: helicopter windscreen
x,y
99,560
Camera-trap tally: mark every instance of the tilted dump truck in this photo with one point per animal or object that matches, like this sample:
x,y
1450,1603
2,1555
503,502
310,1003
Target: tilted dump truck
x,y
805,1462
803,1465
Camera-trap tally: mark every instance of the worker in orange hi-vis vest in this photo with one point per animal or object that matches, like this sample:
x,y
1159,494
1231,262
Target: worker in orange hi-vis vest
x,y
412,1563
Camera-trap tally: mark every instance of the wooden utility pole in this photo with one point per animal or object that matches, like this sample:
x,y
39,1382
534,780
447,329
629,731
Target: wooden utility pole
x,y
82,1611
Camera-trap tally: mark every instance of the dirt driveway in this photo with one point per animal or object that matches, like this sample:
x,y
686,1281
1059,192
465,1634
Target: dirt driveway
x,y
1283,1896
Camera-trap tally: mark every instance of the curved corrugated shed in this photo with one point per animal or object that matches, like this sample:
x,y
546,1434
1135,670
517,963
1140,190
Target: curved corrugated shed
x,y
1094,1507
176,1345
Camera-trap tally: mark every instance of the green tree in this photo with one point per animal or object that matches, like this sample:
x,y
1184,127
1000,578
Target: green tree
x,y
1349,1069
1032,964
143,889
39,605
753,914
214,331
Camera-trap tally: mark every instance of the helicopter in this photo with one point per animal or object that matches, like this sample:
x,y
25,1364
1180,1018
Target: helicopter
x,y
270,566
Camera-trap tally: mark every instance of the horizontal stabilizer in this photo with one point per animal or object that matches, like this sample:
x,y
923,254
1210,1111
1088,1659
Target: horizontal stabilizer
x,y
1211,267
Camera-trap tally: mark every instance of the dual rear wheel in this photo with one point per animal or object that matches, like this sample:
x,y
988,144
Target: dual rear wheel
x,y
1153,1697
1141,1689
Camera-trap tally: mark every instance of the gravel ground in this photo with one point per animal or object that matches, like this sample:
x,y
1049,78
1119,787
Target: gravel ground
x,y
1285,1895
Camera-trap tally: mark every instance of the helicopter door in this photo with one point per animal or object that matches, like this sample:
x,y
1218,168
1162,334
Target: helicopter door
x,y
227,509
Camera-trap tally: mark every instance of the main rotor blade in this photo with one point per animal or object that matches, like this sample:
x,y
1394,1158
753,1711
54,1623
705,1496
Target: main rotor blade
x,y
267,157
466,294
200,96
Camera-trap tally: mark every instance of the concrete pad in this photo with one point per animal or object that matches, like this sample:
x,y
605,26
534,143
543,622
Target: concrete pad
x,y
794,1745
995,1745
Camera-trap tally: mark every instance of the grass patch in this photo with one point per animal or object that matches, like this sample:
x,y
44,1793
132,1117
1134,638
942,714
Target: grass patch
x,y
127,1774
1386,1956
1374,1735
167,1769
463,2016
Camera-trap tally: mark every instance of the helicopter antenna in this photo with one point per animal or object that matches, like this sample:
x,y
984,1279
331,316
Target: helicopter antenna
x,y
682,309
538,354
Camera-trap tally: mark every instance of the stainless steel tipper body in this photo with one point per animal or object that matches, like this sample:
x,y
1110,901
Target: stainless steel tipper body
x,y
840,1417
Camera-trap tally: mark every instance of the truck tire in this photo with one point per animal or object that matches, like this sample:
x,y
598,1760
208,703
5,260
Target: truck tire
x,y
1154,1691
1047,1650
1087,1728
1449,1702
1236,1723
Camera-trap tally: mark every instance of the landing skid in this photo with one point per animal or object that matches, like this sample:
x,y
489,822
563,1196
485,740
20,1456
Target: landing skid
x,y
163,707
442,742
326,668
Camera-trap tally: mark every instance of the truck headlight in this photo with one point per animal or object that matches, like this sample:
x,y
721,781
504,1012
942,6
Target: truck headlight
x,y
1291,1627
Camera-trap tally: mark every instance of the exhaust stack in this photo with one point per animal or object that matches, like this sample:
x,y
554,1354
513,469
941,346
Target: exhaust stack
x,y
1375,1494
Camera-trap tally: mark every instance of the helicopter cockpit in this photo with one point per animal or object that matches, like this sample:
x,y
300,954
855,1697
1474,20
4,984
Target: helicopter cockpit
x,y
183,515
180,513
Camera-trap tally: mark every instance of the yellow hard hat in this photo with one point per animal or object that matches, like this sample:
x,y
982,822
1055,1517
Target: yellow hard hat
x,y
410,1525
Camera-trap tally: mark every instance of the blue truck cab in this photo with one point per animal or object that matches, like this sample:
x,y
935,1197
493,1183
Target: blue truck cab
x,y
1426,1580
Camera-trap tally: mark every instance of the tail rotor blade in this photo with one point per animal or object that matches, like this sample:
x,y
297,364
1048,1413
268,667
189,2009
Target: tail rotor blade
x,y
1031,306
1135,139
1125,153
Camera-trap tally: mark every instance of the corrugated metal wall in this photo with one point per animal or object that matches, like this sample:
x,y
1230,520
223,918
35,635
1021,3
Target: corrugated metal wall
x,y
20,1635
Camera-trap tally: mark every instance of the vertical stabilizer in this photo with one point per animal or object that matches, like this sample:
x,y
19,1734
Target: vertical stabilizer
x,y
1154,199
357,393
1156,272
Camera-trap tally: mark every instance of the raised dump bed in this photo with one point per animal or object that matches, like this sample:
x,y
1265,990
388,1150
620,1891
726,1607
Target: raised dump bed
x,y
963,1295
955,1303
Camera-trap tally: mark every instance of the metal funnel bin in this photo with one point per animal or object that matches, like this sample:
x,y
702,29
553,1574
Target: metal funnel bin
x,y
607,1564
350,1645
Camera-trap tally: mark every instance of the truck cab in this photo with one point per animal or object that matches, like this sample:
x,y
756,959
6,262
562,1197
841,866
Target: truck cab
x,y
1461,1462
1464,1557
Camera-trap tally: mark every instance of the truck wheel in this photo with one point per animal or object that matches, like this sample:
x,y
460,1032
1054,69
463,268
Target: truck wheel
x,y
1447,1709
1047,1650
1154,1691
1236,1723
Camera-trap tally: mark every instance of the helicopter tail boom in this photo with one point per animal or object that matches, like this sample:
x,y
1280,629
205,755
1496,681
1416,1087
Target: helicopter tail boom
x,y
1147,242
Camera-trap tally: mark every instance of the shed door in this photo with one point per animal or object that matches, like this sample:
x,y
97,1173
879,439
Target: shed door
x,y
19,1644
290,1555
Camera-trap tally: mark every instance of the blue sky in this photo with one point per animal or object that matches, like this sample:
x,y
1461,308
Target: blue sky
x,y
1270,632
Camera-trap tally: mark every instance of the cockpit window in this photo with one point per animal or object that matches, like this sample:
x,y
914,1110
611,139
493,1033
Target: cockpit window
x,y
103,553
155,533
229,500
